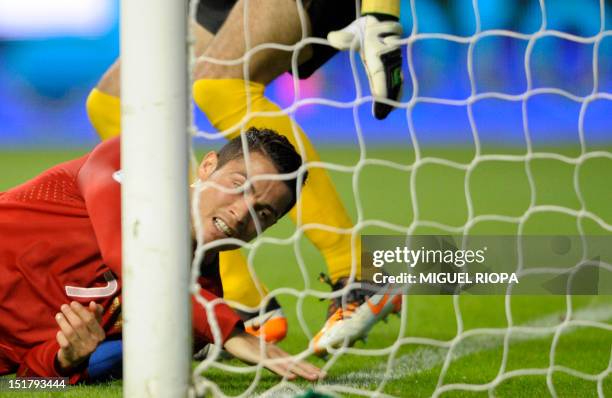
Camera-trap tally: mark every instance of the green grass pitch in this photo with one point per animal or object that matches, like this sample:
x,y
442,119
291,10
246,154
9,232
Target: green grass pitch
x,y
495,187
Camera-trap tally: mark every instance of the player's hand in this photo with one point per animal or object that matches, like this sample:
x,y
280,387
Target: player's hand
x,y
79,335
246,348
378,44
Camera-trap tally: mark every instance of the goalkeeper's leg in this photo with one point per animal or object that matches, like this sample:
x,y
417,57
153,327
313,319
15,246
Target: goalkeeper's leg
x,y
225,94
103,105
103,109
222,92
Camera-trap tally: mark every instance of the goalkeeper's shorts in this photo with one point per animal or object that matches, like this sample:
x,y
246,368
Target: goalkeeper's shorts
x,y
325,16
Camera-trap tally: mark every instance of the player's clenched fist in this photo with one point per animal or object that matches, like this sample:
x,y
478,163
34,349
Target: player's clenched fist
x,y
80,333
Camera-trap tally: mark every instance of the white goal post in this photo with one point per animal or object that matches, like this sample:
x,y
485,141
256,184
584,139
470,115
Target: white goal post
x,y
155,199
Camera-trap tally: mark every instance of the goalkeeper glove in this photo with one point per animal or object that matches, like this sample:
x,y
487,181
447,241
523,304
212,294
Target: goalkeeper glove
x,y
378,44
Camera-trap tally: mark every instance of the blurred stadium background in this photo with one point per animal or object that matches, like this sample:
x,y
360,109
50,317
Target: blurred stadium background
x,y
53,53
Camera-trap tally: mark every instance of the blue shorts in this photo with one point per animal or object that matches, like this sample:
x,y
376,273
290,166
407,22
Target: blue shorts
x,y
106,362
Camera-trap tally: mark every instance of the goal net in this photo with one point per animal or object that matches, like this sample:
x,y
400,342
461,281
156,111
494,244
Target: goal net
x,y
500,131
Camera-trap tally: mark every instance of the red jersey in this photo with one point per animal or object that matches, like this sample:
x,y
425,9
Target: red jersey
x,y
60,240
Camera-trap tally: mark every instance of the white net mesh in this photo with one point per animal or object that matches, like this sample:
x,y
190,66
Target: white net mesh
x,y
410,355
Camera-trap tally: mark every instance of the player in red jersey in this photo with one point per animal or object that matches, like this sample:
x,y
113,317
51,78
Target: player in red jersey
x,y
61,251
263,39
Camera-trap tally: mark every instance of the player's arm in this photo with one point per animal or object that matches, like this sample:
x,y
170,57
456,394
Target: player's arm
x,y
79,334
222,317
102,195
376,35
40,361
247,348
241,344
55,358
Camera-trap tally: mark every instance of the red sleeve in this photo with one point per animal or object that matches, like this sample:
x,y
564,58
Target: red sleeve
x,y
227,320
102,194
211,288
40,362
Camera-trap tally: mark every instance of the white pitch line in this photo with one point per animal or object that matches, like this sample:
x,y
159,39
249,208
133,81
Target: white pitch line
x,y
427,358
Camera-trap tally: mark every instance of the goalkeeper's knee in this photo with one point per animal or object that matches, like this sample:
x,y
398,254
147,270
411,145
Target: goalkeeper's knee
x,y
104,111
224,101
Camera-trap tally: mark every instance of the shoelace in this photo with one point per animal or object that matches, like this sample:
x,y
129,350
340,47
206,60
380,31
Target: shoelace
x,y
354,298
324,278
344,313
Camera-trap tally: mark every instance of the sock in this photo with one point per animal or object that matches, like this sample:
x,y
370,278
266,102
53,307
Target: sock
x,y
238,285
389,7
224,101
104,111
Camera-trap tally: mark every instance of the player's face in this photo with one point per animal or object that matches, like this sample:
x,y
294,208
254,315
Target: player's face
x,y
225,199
